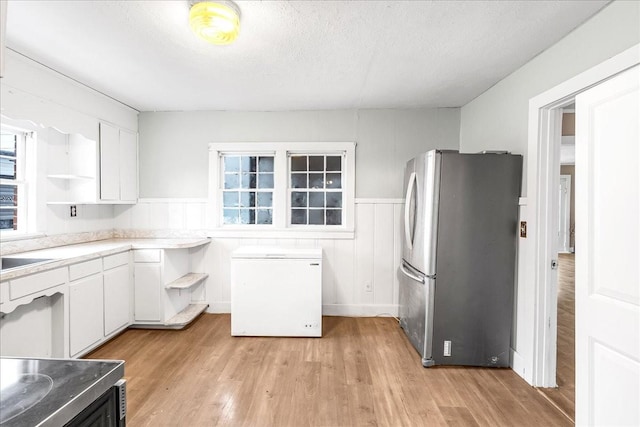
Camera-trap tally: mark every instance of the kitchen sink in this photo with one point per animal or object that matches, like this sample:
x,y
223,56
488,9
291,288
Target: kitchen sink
x,y
21,262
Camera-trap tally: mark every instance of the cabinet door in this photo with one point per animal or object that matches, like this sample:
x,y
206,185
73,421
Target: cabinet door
x,y
85,313
117,298
109,162
128,166
147,287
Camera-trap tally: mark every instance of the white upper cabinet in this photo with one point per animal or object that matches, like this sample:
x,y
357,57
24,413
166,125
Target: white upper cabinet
x,y
118,165
84,171
128,166
109,165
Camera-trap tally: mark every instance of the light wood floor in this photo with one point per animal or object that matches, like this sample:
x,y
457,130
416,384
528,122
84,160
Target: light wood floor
x,y
363,371
564,395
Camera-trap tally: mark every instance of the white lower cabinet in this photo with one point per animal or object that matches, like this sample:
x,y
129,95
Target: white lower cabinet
x,y
147,292
86,308
117,298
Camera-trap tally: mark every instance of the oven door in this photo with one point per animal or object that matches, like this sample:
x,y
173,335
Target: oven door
x,y
108,410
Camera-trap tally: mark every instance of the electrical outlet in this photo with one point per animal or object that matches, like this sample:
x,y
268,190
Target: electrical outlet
x,y
73,211
368,287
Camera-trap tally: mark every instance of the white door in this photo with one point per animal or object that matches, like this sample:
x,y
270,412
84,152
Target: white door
x,y
564,220
85,313
128,166
608,252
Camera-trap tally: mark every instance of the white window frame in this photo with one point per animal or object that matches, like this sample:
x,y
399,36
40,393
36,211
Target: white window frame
x,y
25,181
281,227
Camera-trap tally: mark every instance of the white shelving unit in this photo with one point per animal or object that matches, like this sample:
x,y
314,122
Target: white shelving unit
x,y
167,294
72,169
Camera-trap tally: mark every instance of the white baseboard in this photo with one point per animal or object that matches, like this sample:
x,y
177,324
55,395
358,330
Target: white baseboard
x,y
349,310
353,310
219,307
518,366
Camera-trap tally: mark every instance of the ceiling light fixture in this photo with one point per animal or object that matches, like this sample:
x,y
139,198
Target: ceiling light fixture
x,y
217,22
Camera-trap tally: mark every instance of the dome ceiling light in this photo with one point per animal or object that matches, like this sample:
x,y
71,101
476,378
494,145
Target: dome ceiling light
x,y
217,22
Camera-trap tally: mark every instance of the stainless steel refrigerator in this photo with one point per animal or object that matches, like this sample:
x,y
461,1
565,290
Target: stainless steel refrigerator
x,y
459,253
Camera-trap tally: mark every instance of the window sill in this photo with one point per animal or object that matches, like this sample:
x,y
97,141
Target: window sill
x,y
280,234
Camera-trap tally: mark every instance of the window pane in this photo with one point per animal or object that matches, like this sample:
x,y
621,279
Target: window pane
x,y
334,216
334,180
248,180
7,168
230,199
316,180
248,163
265,180
8,195
265,216
298,216
316,216
8,219
231,164
247,216
247,199
298,163
299,199
230,216
8,144
316,199
316,163
231,180
265,164
334,199
298,180
265,199
334,163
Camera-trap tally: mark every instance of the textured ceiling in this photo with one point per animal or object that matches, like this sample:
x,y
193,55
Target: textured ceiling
x,y
292,55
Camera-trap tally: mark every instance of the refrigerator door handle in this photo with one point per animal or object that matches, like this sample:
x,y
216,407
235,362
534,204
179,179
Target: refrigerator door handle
x,y
410,275
407,214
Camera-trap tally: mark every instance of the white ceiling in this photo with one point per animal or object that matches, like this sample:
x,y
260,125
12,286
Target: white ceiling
x,y
292,55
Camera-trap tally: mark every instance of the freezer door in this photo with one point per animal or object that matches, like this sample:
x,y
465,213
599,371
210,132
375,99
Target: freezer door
x,y
476,259
420,211
416,310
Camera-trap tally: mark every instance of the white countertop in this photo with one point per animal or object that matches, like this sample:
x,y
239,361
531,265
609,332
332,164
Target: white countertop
x,y
65,255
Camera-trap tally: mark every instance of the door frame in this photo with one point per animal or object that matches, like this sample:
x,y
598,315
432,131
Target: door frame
x,y
543,165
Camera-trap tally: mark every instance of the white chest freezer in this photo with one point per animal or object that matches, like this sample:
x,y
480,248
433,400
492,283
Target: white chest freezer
x,y
276,291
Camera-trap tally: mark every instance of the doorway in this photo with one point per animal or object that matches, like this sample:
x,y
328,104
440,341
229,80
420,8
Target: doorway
x,y
563,395
545,119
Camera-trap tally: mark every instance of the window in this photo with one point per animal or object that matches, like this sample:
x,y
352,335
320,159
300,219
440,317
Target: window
x,y
316,189
282,188
247,196
13,184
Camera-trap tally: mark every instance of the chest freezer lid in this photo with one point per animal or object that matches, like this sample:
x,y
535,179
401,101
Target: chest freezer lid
x,y
276,252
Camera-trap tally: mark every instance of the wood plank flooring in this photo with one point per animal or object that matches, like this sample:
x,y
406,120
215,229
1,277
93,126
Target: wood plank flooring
x,y
363,371
564,395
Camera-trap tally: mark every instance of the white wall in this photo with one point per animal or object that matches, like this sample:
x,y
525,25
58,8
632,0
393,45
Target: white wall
x,y
500,117
174,146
